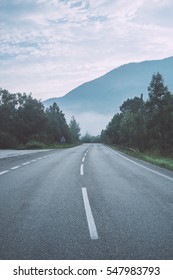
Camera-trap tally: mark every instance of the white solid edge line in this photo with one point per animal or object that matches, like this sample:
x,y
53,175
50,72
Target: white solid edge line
x,y
3,172
89,215
81,170
138,164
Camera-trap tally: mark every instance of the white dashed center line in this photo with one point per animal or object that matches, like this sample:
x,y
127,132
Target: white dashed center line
x,y
83,159
89,215
4,172
81,170
15,167
26,163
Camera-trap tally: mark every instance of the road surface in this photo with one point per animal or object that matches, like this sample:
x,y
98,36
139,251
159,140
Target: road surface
x,y
87,202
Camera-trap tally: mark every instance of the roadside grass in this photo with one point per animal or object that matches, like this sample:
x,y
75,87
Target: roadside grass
x,y
151,157
62,146
39,145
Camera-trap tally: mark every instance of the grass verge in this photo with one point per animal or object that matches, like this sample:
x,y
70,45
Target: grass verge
x,y
39,145
152,157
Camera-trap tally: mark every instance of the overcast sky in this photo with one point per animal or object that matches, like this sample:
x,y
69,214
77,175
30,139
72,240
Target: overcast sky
x,y
49,47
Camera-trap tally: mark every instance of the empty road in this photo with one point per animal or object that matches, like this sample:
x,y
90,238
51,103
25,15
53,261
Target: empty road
x,y
87,202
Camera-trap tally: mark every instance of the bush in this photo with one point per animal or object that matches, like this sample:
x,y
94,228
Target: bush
x,y
34,145
7,140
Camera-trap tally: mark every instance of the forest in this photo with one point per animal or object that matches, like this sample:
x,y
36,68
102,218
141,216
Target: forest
x,y
24,122
144,125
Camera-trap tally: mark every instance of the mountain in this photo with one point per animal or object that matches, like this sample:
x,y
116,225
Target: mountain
x,y
94,103
105,94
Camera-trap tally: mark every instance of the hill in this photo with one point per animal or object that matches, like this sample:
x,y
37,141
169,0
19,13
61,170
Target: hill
x,y
105,94
94,103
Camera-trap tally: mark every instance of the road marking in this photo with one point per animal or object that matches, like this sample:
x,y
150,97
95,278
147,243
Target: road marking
x,y
83,159
81,170
26,163
89,215
3,172
15,167
138,164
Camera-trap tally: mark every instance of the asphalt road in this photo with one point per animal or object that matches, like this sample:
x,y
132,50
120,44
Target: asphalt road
x,y
87,202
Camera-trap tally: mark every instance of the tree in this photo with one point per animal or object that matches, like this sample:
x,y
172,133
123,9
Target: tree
x,y
129,130
56,125
146,125
30,119
112,132
124,128
87,138
74,129
157,111
131,105
132,124
24,119
8,110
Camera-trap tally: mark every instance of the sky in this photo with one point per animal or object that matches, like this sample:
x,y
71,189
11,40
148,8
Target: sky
x,y
49,47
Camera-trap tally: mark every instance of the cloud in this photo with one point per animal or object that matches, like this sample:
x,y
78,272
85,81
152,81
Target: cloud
x,y
48,47
156,13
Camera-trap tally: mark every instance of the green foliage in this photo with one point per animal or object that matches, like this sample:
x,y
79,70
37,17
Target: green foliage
x,y
35,145
131,105
7,140
159,113
30,118
56,125
154,157
124,128
75,130
87,138
25,122
8,103
147,125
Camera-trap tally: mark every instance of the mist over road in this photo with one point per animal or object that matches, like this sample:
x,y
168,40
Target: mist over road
x,y
87,202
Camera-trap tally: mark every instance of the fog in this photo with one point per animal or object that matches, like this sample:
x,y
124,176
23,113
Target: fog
x,y
90,122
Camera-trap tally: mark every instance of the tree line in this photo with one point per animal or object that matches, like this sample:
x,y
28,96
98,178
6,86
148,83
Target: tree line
x,y
24,120
144,125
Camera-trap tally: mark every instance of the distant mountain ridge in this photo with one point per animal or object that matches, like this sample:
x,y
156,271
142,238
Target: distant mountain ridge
x,y
105,94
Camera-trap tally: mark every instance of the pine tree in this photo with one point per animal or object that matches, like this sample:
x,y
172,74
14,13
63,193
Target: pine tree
x,y
75,130
159,98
